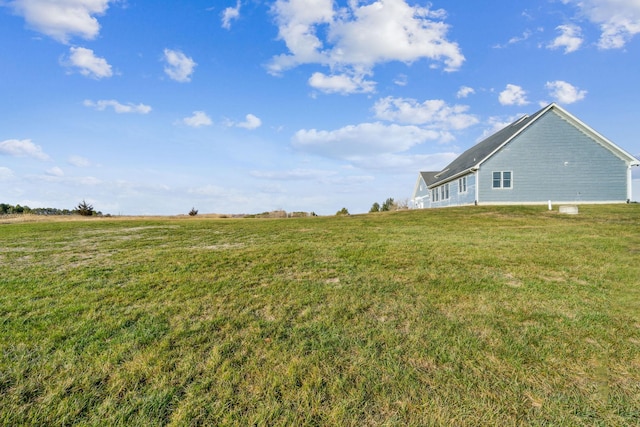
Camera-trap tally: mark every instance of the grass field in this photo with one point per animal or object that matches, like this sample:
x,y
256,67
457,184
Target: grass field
x,y
471,316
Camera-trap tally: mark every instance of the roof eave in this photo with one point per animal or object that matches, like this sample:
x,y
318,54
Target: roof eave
x,y
454,177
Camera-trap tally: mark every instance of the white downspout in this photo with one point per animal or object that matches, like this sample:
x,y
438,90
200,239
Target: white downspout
x,y
629,183
477,173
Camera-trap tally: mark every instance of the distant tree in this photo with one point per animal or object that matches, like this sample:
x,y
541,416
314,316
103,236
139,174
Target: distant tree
x,y
193,212
387,205
84,209
343,211
375,207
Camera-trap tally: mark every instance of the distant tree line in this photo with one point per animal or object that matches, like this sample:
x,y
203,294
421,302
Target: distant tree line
x,y
389,205
7,209
83,208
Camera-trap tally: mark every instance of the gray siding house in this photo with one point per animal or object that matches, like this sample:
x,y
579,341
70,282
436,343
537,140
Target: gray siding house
x,y
548,156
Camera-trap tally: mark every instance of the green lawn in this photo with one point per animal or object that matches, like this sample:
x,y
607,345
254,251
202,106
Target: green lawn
x,y
462,316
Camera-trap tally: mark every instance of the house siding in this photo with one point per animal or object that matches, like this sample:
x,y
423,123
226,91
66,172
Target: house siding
x,y
455,196
421,195
553,160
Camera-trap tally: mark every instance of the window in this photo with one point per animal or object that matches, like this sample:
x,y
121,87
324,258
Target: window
x,y
497,179
462,185
506,179
502,179
440,193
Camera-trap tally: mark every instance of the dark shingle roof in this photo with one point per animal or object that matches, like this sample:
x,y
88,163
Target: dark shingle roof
x,y
476,154
429,177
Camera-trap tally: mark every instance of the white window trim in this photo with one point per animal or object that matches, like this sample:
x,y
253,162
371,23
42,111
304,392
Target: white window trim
x,y
502,187
510,180
441,193
460,182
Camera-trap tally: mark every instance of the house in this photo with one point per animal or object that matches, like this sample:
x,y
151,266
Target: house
x,y
548,156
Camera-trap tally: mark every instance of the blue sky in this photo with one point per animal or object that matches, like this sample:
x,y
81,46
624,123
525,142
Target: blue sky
x,y
245,106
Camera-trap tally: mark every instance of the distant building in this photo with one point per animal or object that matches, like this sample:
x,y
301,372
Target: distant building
x,y
550,155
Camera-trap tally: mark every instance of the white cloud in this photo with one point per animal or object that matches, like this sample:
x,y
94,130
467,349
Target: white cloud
x,y
22,148
62,19
514,40
619,20
362,140
341,83
565,93
391,30
197,119
355,38
179,66
401,163
570,38
297,21
496,123
79,161
54,176
517,39
231,195
433,113
251,122
209,190
401,80
89,65
349,180
465,91
5,173
55,171
272,188
513,95
119,108
294,175
370,146
230,14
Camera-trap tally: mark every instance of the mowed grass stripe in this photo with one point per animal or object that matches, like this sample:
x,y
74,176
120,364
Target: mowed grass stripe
x,y
474,316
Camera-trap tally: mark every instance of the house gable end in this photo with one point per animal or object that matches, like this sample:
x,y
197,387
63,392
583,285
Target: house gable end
x,y
554,159
420,196
597,137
